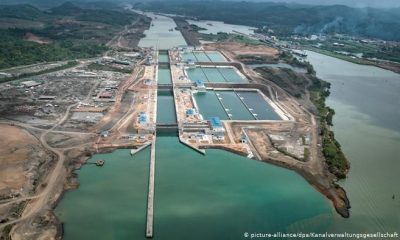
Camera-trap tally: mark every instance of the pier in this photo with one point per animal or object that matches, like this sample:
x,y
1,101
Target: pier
x,y
150,197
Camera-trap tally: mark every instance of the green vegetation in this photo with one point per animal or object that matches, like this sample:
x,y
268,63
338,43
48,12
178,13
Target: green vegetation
x,y
25,75
96,66
229,37
14,50
287,19
196,28
292,82
256,59
291,60
349,49
69,32
331,149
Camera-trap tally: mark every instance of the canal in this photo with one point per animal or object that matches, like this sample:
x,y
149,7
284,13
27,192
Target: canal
x,y
221,195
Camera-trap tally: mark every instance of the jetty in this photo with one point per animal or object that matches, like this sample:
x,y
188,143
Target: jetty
x,y
150,197
134,151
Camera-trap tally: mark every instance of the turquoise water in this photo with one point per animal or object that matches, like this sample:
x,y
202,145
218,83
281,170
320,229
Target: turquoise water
x,y
111,201
219,195
209,105
165,107
188,57
216,57
163,57
164,75
204,57
212,74
260,107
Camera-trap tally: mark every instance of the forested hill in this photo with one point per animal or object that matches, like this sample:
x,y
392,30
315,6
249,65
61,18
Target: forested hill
x,y
287,19
30,35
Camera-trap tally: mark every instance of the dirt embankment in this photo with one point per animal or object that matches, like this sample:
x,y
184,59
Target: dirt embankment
x,y
37,39
21,159
233,50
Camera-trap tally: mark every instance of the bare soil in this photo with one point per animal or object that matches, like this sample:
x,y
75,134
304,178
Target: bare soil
x,y
233,49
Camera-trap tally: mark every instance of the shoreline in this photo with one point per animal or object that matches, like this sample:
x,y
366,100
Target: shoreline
x,y
394,69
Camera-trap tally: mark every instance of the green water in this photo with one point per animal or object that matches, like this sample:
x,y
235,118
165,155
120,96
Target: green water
x,y
260,107
213,75
219,195
165,107
366,101
222,195
235,107
164,75
195,74
111,201
163,57
209,105
201,57
231,75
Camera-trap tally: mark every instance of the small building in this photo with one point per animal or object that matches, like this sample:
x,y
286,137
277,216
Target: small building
x,y
190,62
142,119
149,61
105,94
29,84
148,82
190,112
199,86
104,134
243,139
217,129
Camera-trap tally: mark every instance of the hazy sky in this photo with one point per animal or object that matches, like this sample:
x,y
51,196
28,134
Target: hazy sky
x,y
353,3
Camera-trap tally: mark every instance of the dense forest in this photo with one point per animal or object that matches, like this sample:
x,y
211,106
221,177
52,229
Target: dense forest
x,y
60,33
288,19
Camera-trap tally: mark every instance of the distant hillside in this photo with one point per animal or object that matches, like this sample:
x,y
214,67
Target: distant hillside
x,y
287,19
30,35
23,11
54,3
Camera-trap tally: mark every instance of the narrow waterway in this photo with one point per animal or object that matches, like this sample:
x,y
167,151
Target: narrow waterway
x,y
367,124
162,33
165,107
